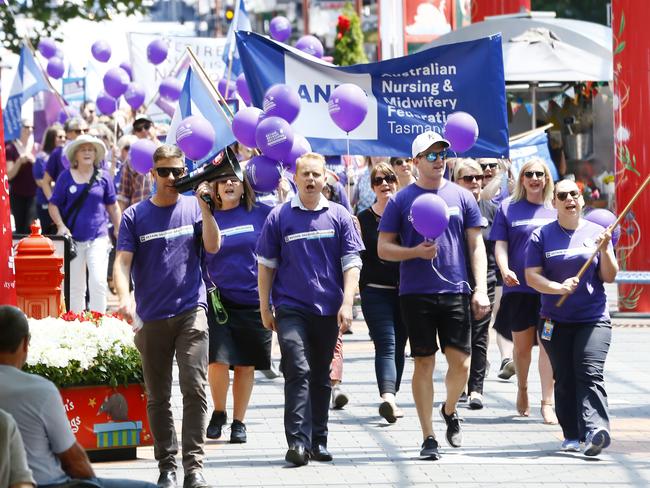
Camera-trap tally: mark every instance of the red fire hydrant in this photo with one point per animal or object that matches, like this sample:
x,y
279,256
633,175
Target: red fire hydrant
x,y
38,276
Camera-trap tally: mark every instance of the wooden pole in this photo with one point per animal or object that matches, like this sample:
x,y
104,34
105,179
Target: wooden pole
x,y
216,96
618,220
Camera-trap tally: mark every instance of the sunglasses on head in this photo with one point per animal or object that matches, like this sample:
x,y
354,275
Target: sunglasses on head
x,y
471,178
378,180
165,172
489,165
139,128
530,174
434,156
562,195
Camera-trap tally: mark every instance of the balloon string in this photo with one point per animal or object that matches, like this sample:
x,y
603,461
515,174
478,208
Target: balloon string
x,y
348,169
446,280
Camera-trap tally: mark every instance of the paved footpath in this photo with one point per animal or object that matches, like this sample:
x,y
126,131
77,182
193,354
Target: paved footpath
x,y
499,449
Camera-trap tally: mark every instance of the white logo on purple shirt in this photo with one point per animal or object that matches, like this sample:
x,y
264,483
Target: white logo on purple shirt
x,y
538,222
169,234
314,234
240,229
576,251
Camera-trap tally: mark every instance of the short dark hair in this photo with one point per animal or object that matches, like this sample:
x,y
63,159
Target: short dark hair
x,y
13,328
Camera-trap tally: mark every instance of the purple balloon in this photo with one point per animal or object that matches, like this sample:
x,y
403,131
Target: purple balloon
x,y
141,155
242,89
605,218
244,124
280,28
47,47
170,89
116,82
263,174
461,130
134,95
227,88
101,50
300,147
157,51
195,136
274,137
106,104
310,45
429,215
348,106
55,67
127,67
282,101
69,113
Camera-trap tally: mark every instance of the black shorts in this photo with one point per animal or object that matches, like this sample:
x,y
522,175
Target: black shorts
x,y
518,312
448,315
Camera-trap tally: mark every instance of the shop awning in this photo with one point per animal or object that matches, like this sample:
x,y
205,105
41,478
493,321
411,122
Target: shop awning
x,y
539,47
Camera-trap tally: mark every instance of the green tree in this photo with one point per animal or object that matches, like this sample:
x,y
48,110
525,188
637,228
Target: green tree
x,y
348,46
52,13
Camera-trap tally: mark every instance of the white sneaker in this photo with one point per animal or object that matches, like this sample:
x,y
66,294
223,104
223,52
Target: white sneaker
x,y
339,398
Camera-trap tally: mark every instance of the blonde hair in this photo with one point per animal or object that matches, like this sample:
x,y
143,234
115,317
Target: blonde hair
x,y
520,191
248,197
462,163
314,157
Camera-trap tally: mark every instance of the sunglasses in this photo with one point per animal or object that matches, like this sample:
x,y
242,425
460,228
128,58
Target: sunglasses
x,y
400,162
378,180
530,174
80,131
140,128
562,195
433,156
165,172
489,165
28,127
471,178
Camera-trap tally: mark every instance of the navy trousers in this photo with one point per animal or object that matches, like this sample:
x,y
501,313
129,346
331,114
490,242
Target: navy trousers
x,y
307,345
577,352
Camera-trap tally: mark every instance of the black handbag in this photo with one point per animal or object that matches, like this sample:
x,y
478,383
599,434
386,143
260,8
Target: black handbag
x,y
71,218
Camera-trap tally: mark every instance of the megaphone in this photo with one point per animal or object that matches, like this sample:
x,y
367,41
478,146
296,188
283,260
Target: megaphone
x,y
225,164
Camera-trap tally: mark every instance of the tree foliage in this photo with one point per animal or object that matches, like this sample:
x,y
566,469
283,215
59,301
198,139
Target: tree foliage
x,y
49,14
348,46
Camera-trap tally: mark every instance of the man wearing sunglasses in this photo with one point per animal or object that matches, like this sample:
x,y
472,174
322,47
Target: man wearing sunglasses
x,y
73,128
161,241
135,187
434,289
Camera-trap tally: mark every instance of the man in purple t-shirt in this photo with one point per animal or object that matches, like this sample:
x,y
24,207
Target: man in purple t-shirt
x,y
161,241
434,289
308,256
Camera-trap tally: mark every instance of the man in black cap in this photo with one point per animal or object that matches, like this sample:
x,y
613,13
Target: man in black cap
x,y
135,187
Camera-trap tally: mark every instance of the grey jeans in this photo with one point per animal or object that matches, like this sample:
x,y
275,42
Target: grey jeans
x,y
186,336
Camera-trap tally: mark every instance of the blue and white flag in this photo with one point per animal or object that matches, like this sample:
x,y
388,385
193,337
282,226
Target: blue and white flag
x,y
240,22
525,148
406,96
28,82
197,98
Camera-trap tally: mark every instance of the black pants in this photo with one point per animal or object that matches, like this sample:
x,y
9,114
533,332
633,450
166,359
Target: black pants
x,y
480,338
307,344
577,352
24,212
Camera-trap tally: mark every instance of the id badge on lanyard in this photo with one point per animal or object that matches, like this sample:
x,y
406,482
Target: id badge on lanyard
x,y
547,330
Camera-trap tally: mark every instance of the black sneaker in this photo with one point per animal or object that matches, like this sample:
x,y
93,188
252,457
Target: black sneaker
x,y
237,432
463,398
454,435
430,449
218,420
507,369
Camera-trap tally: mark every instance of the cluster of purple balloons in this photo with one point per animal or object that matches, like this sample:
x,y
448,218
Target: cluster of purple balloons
x,y
280,30
55,66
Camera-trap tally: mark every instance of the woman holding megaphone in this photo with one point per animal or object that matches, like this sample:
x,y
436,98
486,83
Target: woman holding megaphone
x,y
238,340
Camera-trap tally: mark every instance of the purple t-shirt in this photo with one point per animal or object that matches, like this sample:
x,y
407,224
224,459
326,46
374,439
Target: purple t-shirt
x,y
417,276
92,220
561,253
514,223
308,246
167,247
55,166
234,268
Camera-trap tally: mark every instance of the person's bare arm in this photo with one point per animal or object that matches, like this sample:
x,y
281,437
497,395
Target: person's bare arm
x,y
510,278
389,249
121,280
536,280
46,185
478,262
265,277
116,216
350,284
55,214
75,462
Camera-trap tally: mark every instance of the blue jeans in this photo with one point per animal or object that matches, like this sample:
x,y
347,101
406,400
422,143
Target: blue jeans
x,y
381,310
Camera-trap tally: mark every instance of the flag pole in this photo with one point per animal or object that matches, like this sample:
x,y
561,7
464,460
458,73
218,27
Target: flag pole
x,y
232,46
172,72
219,98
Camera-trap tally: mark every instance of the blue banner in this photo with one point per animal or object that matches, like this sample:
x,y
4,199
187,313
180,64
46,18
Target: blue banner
x,y
406,96
525,148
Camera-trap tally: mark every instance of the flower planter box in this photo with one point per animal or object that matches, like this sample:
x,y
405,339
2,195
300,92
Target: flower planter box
x,y
104,418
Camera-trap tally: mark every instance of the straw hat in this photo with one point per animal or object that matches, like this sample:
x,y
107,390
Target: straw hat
x,y
72,147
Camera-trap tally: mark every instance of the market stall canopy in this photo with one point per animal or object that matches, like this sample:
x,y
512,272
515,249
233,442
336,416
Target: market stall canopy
x,y
539,47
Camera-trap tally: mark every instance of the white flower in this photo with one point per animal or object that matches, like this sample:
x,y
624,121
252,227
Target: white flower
x,y
622,134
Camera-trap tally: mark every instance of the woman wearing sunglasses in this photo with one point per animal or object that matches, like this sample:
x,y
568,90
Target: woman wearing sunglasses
x,y
469,175
379,297
238,340
403,168
576,335
517,218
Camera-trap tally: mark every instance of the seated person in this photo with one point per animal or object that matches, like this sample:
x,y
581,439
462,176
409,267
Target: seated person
x,y
14,471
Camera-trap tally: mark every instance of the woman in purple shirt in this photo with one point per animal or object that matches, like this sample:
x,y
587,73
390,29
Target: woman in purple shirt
x,y
86,220
577,334
54,137
517,218
238,340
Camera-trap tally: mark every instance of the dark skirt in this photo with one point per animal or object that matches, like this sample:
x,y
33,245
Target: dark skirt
x,y
242,340
517,313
